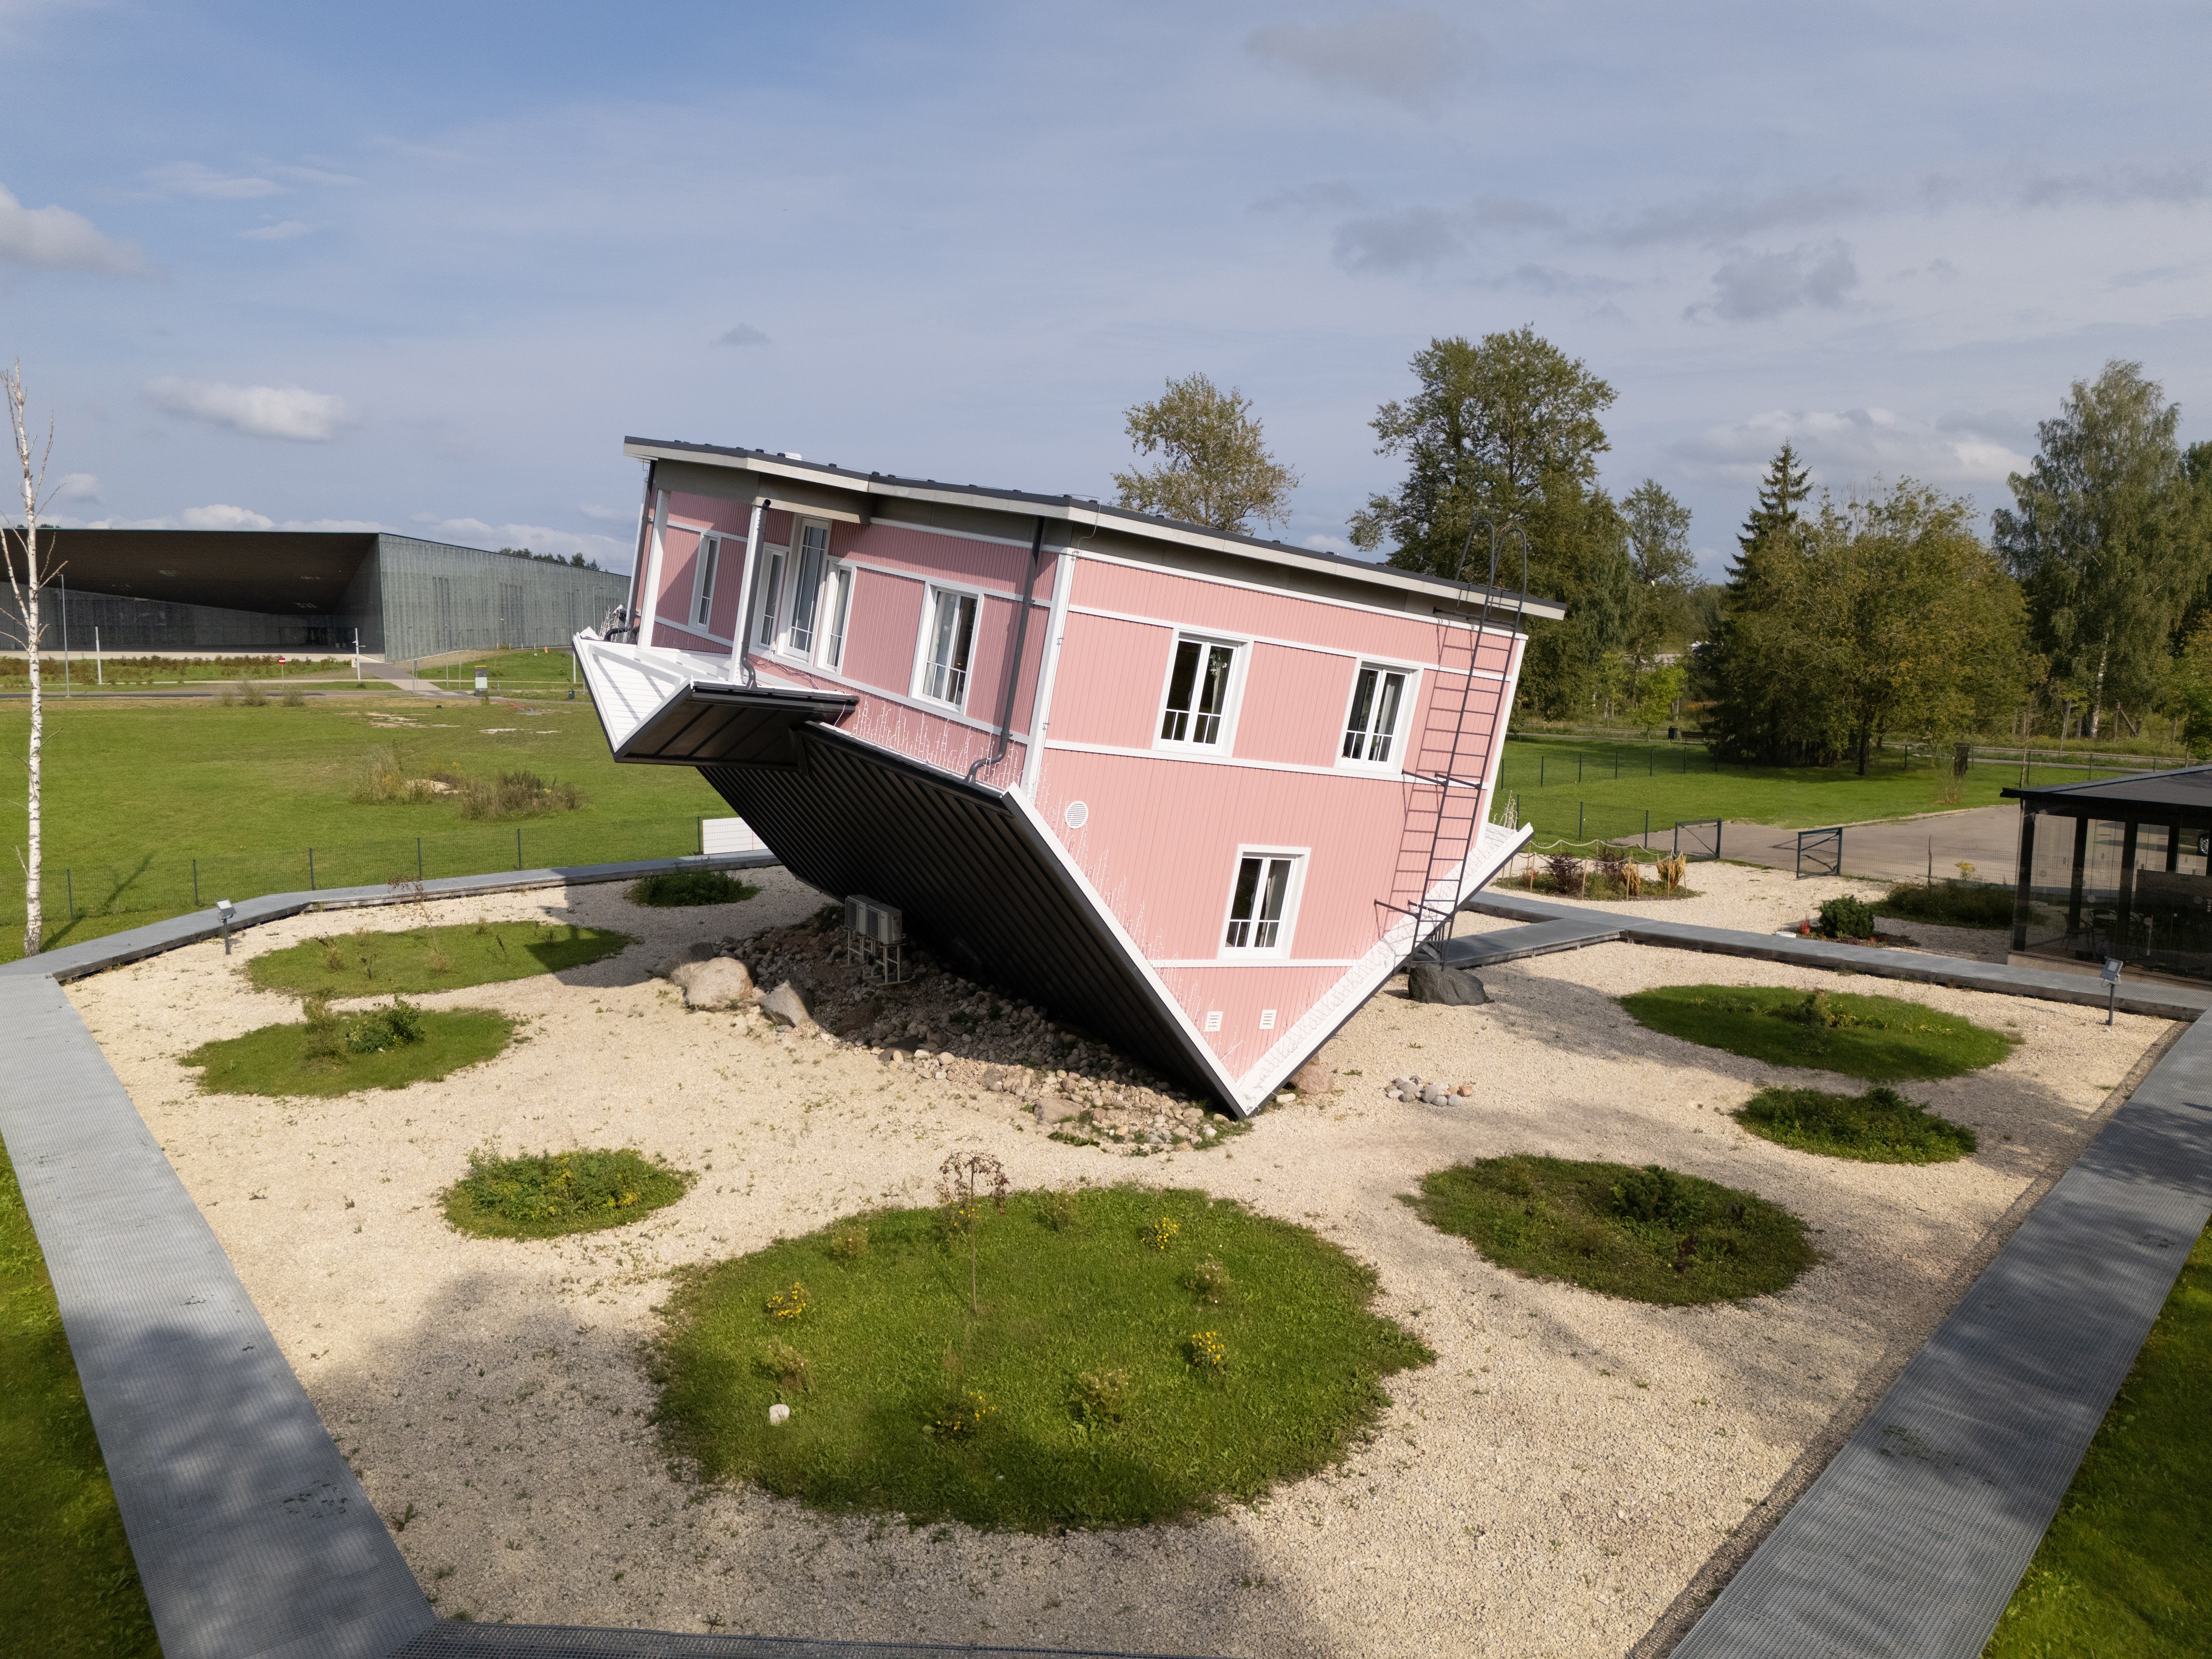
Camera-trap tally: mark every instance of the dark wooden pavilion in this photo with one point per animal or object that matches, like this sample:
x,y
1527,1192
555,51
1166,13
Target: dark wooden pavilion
x,y
2118,867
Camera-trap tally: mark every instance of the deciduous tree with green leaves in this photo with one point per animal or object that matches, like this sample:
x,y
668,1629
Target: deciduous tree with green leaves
x,y
2108,536
1215,468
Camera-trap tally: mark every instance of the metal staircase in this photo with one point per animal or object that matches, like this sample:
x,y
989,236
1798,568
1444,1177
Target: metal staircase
x,y
1445,765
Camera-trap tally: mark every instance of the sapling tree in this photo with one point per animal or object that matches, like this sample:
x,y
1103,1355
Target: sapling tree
x,y
964,1180
31,565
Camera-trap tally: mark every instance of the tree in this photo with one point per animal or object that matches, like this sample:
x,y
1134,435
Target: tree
x,y
1779,492
961,1180
1748,665
1216,470
2108,536
1665,570
1507,429
37,569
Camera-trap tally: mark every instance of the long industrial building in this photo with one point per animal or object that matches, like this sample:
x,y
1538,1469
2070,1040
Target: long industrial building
x,y
246,591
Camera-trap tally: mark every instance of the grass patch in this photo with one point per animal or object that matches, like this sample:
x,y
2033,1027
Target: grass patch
x,y
1952,904
558,1193
2121,1574
1098,1386
1650,1235
68,1585
1877,1038
1879,1126
671,888
337,1054
364,964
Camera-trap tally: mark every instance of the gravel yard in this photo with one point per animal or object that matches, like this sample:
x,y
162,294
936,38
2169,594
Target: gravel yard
x,y
1550,1486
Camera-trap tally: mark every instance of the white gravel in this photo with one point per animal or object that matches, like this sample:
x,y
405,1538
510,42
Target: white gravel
x,y
1547,1488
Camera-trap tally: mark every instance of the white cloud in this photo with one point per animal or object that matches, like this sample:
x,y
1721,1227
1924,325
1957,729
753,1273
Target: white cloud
x,y
743,334
277,232
258,411
300,175
1751,287
606,514
1336,544
54,239
1405,239
1408,57
537,537
1846,447
78,487
223,517
194,178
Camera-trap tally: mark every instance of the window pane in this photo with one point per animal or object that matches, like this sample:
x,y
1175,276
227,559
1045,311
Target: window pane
x,y
1214,695
1386,717
1240,906
710,550
771,595
1355,729
840,603
952,635
1271,903
807,584
1175,725
963,641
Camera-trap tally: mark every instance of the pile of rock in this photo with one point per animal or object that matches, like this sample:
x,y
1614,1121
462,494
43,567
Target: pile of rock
x,y
1428,1093
713,981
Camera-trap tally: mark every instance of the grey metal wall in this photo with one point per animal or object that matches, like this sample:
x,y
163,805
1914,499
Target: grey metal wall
x,y
127,624
436,598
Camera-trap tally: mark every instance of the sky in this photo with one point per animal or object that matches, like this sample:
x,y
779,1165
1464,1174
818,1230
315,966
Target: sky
x,y
424,268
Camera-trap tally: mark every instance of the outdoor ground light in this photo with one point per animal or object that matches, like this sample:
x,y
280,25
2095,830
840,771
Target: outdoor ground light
x,y
223,907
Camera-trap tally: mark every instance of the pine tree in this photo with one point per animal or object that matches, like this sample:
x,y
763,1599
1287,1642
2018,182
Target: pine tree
x,y
1784,486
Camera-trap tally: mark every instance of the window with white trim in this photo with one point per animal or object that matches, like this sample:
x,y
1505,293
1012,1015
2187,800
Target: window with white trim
x,y
948,645
1378,704
1261,902
839,606
771,600
702,580
1199,680
810,553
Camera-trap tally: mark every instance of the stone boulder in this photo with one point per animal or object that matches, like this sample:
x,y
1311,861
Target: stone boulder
x,y
786,1006
1314,1079
698,952
1453,987
724,982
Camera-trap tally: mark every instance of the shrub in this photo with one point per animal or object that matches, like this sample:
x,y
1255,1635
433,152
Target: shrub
x,y
380,1028
958,1414
1672,869
1204,1349
437,961
1566,874
516,795
671,888
558,1193
1056,1208
1210,1279
1879,1126
786,1364
789,1303
849,1244
1847,918
333,956
1953,904
1654,1193
294,697
1162,1233
251,694
1100,1397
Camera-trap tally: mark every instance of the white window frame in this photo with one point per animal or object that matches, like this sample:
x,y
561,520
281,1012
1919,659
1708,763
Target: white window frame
x,y
796,553
1294,890
1240,651
832,653
918,686
1406,703
768,625
706,571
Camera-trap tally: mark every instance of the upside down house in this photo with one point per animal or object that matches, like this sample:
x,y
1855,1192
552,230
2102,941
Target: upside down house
x,y
1198,794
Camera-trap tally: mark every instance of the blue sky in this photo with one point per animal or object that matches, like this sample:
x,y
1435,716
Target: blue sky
x,y
424,267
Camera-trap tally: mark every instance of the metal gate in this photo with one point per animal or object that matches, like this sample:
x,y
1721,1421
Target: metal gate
x,y
1697,838
1820,852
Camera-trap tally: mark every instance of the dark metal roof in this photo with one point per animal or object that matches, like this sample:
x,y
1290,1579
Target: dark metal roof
x,y
2138,794
972,876
1136,523
730,726
279,571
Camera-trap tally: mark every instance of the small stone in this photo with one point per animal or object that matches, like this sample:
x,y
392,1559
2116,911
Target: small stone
x,y
1285,1098
1451,988
1405,1085
897,1056
778,1412
786,1006
1465,1088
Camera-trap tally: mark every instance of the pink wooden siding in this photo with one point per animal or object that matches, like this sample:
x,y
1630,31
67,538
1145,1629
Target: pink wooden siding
x,y
879,639
1108,686
1293,706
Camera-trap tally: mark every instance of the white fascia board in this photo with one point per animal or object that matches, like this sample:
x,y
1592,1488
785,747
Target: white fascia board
x,y
1087,515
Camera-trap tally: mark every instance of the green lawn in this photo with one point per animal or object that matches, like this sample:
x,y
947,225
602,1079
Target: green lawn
x,y
1085,1394
1879,1126
2123,1573
298,1059
68,1589
136,792
554,1193
1580,788
372,964
1650,1235
1877,1038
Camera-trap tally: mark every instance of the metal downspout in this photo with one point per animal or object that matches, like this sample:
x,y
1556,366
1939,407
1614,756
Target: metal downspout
x,y
637,562
1021,639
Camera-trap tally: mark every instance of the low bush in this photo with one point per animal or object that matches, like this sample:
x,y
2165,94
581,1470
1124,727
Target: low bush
x,y
1878,1038
1952,904
671,888
554,1193
1650,1234
1879,1126
1846,918
520,794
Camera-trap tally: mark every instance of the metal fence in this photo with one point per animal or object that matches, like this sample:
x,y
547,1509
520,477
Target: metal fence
x,y
1697,838
82,901
1820,852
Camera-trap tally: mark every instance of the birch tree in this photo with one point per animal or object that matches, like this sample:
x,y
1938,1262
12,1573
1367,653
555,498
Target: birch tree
x,y
30,567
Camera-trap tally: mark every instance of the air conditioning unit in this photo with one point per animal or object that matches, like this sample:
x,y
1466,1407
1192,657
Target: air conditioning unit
x,y
880,924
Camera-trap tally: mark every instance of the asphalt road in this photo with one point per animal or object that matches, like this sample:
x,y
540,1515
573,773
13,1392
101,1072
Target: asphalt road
x,y
1896,849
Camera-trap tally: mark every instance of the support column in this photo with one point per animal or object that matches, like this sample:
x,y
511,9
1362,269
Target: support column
x,y
2022,895
2074,892
2125,905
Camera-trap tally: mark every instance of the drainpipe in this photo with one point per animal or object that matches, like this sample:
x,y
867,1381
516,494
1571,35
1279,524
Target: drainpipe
x,y
637,568
741,662
1021,638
